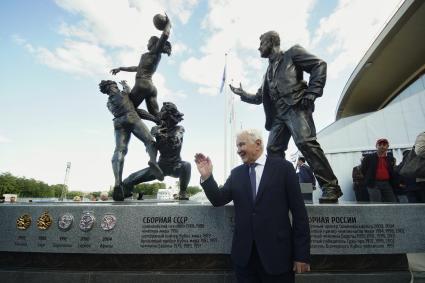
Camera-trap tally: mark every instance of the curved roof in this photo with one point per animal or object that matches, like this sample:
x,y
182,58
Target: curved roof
x,y
395,58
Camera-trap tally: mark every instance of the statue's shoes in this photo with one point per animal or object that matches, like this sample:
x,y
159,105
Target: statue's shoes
x,y
330,195
118,194
183,196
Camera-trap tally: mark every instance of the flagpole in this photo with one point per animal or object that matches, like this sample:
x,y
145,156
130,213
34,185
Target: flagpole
x,y
233,125
225,119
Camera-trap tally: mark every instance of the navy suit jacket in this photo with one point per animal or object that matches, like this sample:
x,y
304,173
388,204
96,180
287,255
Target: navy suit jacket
x,y
265,220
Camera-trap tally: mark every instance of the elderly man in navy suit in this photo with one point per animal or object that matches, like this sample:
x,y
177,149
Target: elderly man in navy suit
x,y
266,247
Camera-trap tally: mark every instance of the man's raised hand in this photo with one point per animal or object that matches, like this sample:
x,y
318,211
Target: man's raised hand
x,y
204,165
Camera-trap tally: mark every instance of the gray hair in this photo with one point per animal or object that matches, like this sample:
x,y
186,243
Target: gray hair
x,y
253,135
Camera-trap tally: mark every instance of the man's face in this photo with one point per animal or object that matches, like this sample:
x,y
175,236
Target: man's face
x,y
382,147
266,47
248,151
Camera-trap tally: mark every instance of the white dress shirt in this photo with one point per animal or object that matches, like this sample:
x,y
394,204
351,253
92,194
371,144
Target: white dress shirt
x,y
261,162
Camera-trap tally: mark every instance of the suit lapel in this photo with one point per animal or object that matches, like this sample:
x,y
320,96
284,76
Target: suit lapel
x,y
276,64
268,172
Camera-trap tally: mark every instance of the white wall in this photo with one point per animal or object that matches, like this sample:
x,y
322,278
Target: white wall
x,y
344,140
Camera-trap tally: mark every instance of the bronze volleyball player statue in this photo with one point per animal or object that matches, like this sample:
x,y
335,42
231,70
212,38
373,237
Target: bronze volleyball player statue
x,y
169,142
144,88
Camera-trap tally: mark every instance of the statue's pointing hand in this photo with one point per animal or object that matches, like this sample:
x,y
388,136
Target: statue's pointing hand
x,y
237,90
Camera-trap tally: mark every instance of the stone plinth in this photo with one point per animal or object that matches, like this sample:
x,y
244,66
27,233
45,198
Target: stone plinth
x,y
192,241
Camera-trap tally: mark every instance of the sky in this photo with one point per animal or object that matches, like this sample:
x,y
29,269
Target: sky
x,y
55,52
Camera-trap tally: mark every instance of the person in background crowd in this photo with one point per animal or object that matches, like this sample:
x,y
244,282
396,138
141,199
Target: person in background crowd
x,y
414,187
104,196
305,175
378,169
359,187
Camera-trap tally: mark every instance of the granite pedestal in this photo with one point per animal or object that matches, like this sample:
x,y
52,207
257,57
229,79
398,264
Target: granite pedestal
x,y
190,242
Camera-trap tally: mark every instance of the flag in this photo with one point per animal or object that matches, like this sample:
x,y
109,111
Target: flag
x,y
223,80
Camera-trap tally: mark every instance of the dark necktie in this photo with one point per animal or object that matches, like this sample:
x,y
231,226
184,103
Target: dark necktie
x,y
252,178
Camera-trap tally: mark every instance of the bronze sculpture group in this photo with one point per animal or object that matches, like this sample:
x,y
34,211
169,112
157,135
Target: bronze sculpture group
x,y
288,103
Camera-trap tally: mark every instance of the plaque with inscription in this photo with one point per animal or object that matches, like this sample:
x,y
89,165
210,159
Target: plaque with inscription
x,y
363,229
199,228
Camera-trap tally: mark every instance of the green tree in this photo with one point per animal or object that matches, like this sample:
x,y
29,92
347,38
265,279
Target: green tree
x,y
72,194
149,188
8,184
192,190
33,188
57,189
25,187
96,194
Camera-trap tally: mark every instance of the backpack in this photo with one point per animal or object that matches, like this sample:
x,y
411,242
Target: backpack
x,y
420,145
413,164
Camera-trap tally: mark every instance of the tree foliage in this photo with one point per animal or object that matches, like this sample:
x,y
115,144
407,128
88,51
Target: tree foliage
x,y
72,194
149,188
192,190
25,187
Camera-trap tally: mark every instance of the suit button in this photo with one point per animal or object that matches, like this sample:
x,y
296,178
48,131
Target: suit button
x,y
253,214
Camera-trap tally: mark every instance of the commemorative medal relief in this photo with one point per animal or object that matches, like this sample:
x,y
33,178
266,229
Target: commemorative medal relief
x,y
23,222
65,221
87,221
108,222
44,221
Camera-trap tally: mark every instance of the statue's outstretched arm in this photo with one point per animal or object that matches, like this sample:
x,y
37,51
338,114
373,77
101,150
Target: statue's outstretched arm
x,y
125,86
143,114
126,69
164,37
247,97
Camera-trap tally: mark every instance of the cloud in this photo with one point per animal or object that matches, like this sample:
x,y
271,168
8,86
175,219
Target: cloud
x,y
120,23
180,9
179,48
164,93
350,30
75,57
236,31
207,71
109,33
4,139
110,23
